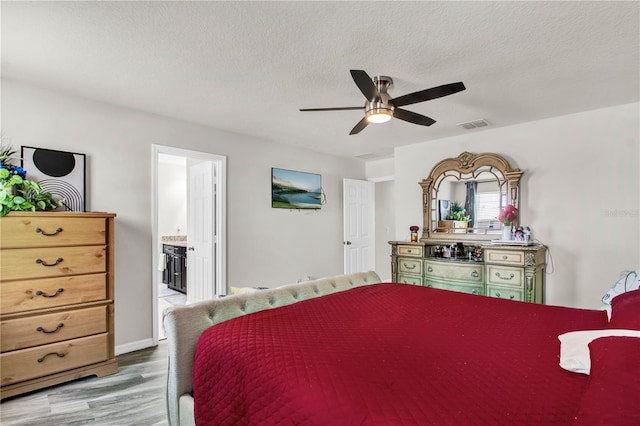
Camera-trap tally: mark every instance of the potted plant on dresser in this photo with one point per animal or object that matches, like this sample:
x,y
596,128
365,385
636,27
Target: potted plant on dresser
x,y
457,221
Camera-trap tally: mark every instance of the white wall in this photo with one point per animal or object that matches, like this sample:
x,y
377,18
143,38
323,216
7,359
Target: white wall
x,y
580,192
265,246
172,195
384,227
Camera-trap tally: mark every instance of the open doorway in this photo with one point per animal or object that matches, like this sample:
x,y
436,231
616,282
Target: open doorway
x,y
187,233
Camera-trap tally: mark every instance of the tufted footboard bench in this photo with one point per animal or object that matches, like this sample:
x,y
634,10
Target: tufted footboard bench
x,y
184,324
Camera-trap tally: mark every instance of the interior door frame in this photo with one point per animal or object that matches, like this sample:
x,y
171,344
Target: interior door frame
x,y
220,223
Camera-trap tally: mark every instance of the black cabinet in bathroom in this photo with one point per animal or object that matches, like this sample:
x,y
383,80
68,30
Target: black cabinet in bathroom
x,y
175,270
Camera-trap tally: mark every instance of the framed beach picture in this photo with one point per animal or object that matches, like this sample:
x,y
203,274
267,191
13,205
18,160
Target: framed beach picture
x,y
58,172
295,190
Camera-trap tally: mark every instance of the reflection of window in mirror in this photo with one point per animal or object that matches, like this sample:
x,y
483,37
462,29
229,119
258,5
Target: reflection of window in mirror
x,y
488,205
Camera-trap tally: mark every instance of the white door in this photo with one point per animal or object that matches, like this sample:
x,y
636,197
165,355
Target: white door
x,y
359,238
201,233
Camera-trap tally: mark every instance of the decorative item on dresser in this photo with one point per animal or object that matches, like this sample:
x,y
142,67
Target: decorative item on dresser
x,y
56,311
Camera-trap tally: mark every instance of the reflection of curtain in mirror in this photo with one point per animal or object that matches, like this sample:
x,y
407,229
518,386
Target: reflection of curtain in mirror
x,y
470,202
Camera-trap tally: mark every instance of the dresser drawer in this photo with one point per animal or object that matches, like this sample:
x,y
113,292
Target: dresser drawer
x,y
461,287
505,276
411,266
18,232
409,250
458,271
52,262
40,361
43,329
505,293
28,295
506,257
409,279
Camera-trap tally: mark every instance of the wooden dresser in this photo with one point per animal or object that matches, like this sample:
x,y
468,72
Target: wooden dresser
x,y
56,306
508,272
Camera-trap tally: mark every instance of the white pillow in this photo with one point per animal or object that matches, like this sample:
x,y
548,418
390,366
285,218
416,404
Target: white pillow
x,y
574,347
630,281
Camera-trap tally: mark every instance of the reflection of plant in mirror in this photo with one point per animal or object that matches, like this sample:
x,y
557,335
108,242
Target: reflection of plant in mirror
x,y
16,192
458,213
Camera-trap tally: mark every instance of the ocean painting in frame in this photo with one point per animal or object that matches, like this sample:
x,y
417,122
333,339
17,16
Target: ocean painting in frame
x,y
295,190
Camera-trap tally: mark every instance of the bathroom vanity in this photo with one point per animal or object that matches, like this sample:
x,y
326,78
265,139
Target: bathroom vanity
x,y
174,274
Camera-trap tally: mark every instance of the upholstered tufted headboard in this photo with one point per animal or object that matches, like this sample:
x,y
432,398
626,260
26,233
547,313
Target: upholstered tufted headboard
x,y
184,324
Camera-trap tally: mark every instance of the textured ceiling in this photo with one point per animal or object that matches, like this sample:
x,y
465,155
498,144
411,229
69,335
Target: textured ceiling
x,y
247,67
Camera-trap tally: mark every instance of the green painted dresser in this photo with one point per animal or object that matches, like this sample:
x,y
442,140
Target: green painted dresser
x,y
508,272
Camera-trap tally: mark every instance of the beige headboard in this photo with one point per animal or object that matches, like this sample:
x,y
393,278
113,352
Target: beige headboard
x,y
184,324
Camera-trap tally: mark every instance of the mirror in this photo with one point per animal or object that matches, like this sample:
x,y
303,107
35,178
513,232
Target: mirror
x,y
463,196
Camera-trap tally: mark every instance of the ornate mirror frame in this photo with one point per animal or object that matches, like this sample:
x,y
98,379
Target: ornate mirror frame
x,y
465,166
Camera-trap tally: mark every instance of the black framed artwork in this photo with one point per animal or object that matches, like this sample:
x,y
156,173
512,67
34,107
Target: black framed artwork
x,y
58,172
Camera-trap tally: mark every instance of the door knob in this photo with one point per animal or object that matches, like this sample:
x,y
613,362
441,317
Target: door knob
x,y
348,243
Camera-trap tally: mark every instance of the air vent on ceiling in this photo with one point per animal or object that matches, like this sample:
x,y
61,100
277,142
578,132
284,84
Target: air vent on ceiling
x,y
474,124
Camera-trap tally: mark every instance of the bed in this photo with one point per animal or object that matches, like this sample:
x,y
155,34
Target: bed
x,y
353,350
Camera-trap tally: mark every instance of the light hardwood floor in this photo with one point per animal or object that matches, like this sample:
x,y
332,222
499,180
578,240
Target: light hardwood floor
x,y
133,396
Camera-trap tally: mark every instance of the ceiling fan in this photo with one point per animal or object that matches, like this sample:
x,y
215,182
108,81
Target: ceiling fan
x,y
380,107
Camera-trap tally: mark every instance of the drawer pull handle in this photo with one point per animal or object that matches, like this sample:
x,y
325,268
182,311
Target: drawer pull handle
x,y
474,274
40,231
505,257
41,359
429,269
409,267
43,263
510,277
474,291
43,294
60,325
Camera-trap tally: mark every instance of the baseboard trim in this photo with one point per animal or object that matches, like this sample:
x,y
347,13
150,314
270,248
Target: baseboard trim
x,y
133,346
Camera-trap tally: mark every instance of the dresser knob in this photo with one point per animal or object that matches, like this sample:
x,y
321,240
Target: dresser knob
x,y
43,294
40,231
51,353
43,263
60,325
504,278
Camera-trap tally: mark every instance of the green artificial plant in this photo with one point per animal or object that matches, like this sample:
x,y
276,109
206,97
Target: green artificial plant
x,y
17,193
458,213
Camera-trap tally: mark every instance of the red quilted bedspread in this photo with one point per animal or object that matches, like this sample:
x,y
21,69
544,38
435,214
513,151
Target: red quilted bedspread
x,y
391,354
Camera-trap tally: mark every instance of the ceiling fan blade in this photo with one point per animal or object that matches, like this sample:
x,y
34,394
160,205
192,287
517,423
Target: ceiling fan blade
x,y
333,109
413,117
365,84
428,94
358,127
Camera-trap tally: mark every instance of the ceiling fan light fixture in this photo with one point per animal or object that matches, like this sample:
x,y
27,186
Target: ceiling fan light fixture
x,y
379,115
